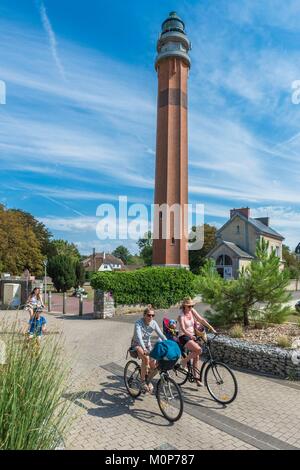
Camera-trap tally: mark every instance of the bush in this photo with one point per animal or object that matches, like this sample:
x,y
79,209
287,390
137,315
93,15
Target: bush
x,y
236,331
161,287
32,413
284,342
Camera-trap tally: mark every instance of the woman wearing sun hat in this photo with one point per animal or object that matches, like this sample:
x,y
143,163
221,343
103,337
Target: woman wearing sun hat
x,y
188,320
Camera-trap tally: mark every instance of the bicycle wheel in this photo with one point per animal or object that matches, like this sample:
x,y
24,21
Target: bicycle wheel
x,y
221,382
169,398
179,375
132,378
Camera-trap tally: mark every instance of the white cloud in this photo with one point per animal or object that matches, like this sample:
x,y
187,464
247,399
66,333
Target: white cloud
x,y
68,224
51,37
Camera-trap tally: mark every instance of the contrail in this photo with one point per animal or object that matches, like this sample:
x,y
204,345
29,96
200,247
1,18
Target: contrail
x,y
51,37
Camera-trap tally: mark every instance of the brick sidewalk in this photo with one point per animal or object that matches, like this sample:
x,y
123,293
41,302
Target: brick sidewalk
x,y
265,415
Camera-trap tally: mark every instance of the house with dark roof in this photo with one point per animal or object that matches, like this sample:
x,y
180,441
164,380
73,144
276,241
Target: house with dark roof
x,y
237,239
102,262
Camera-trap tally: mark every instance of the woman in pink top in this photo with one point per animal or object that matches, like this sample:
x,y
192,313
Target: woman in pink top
x,y
187,320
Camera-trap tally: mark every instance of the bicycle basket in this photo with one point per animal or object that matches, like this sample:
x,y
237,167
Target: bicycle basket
x,y
201,333
165,364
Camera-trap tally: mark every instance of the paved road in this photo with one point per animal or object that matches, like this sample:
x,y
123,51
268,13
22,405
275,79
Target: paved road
x,y
265,415
72,304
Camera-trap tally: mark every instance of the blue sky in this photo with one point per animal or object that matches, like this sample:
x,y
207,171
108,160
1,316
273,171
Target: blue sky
x,y
78,128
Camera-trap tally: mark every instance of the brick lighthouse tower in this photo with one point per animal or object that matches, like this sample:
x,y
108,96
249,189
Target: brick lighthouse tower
x,y
171,177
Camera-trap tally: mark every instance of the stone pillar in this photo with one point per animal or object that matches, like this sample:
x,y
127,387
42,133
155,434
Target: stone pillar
x,y
104,305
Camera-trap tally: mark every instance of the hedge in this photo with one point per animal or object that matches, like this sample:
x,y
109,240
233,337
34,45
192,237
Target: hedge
x,y
161,287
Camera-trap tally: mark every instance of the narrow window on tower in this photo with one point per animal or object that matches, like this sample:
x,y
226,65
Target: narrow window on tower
x,y
160,225
173,241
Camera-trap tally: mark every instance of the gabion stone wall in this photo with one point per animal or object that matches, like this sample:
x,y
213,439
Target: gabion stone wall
x,y
283,363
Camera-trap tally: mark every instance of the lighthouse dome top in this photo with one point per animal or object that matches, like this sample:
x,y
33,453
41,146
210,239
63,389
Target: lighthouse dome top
x,y
173,41
173,23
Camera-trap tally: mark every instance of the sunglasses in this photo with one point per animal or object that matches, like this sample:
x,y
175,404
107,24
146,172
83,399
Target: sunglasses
x,y
150,315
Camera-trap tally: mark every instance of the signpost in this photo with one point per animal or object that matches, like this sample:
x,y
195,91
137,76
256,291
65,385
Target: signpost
x,y
45,262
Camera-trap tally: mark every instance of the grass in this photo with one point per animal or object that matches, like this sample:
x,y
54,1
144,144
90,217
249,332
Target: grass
x,y
33,414
236,331
284,341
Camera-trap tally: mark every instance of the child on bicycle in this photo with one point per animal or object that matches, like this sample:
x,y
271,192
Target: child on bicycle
x,y
37,325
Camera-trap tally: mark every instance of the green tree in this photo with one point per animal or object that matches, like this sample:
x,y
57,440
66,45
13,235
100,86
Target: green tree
x,y
259,293
61,269
79,274
136,259
41,232
123,253
19,246
64,248
197,257
145,245
292,264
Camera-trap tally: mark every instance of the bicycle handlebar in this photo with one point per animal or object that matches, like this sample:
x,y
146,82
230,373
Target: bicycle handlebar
x,y
199,338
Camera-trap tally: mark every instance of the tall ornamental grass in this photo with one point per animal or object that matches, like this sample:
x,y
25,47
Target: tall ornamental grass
x,y
33,413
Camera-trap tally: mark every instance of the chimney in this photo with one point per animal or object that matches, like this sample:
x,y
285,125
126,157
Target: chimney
x,y
264,220
245,211
94,259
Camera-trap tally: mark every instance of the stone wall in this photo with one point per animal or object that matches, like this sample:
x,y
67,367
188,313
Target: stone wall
x,y
283,363
126,309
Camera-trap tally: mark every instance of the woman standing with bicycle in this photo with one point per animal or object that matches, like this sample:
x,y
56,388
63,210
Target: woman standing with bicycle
x,y
187,320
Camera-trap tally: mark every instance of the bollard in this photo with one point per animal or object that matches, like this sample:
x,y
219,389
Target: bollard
x,y
64,302
80,306
49,301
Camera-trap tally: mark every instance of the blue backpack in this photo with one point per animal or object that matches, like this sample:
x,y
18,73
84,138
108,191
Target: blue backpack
x,y
166,350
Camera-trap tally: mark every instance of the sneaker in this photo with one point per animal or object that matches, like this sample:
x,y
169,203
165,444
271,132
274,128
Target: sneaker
x,y
144,387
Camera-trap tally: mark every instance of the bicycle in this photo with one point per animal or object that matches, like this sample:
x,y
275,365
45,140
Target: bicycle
x,y
219,379
168,393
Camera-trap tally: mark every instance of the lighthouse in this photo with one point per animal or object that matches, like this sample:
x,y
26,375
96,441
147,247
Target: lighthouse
x,y
172,65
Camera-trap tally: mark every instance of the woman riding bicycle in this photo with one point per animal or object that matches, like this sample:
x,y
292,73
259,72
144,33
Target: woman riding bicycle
x,y
188,321
141,343
34,301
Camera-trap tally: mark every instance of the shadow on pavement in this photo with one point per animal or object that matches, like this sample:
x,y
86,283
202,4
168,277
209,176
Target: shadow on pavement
x,y
69,316
113,400
196,398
